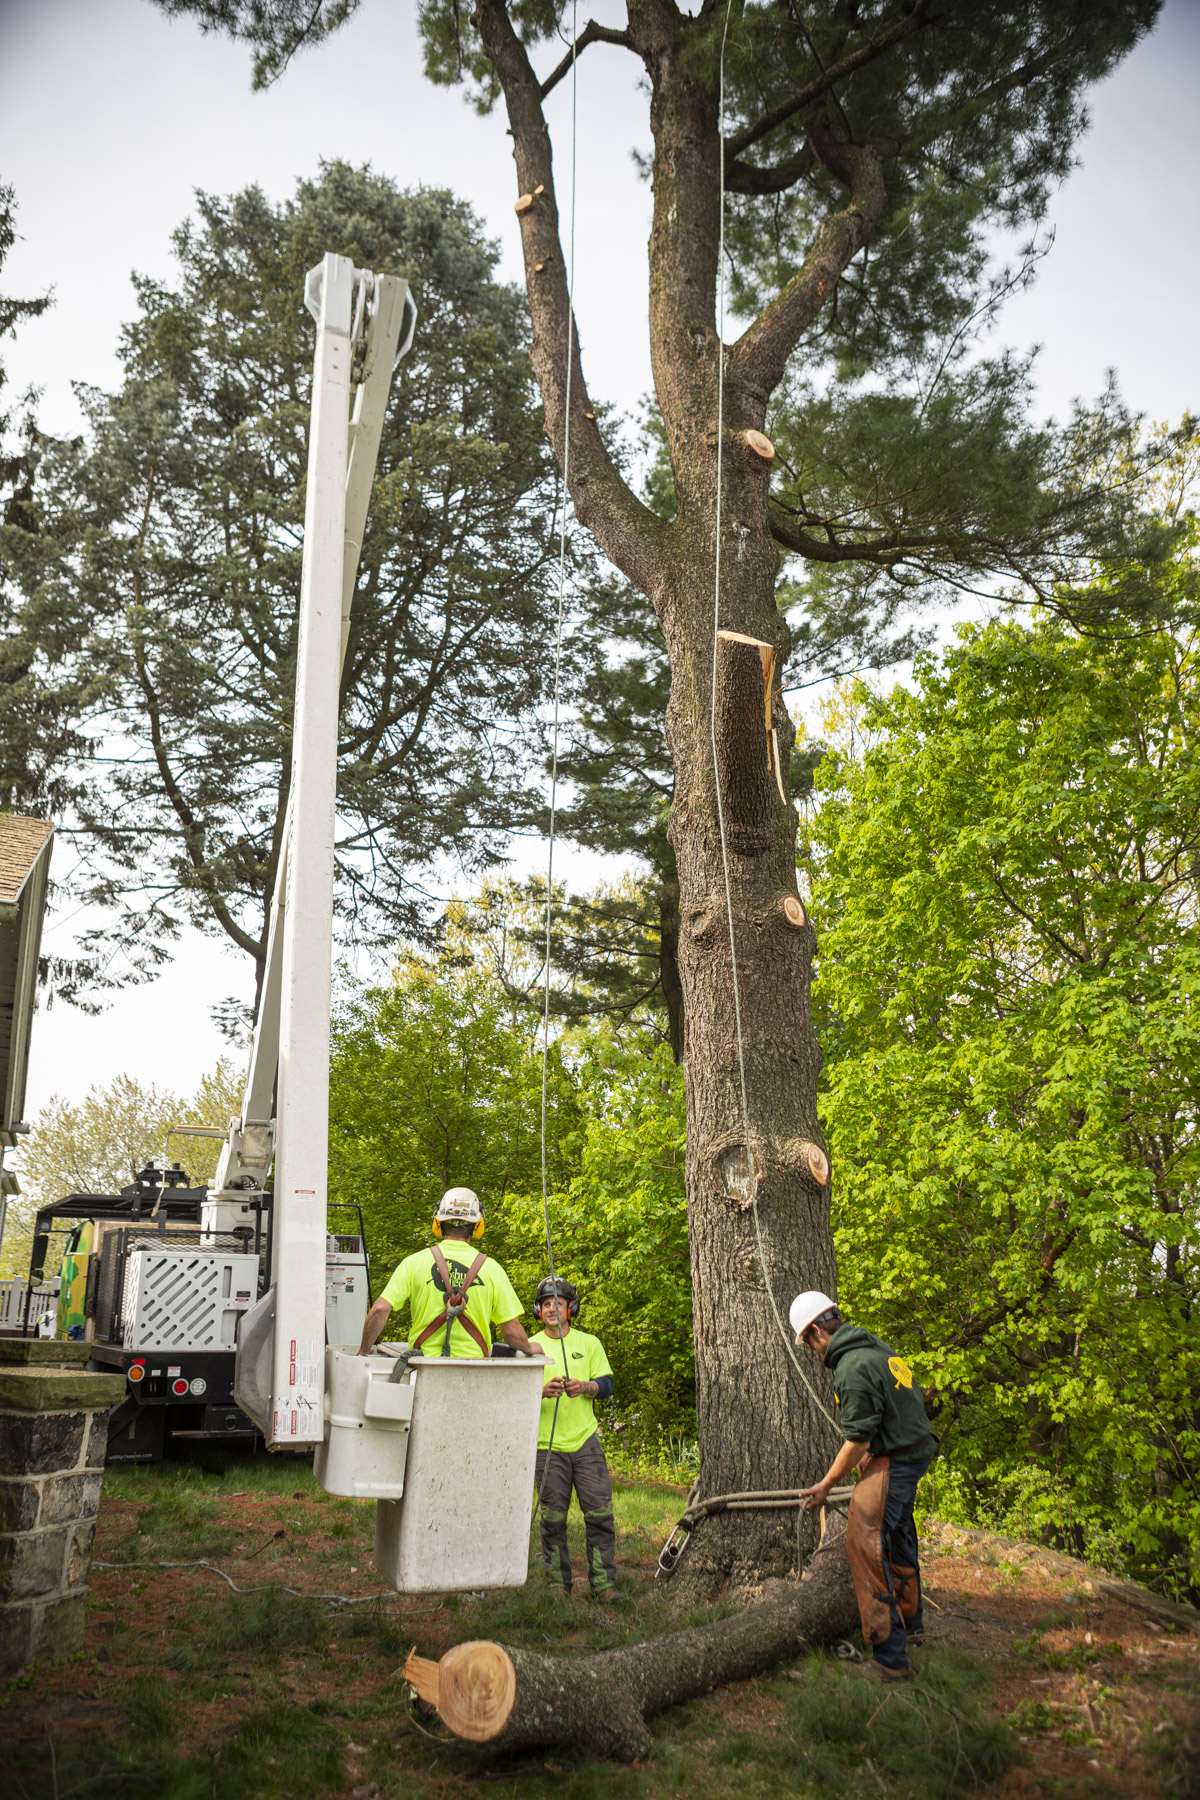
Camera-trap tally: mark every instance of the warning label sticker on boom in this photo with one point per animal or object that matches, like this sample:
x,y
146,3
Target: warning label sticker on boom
x,y
298,1408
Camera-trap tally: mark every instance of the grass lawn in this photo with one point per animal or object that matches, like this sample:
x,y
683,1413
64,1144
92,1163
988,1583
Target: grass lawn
x,y
189,1691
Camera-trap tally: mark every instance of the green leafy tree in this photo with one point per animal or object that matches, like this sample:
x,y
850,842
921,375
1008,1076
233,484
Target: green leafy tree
x,y
870,155
1007,898
98,1144
436,1081
620,1227
37,739
174,528
430,1088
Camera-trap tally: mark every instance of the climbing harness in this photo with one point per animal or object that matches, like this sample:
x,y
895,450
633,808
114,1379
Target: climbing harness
x,y
770,1500
456,1304
737,1004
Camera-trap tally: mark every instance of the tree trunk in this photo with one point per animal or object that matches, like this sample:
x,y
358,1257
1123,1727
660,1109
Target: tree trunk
x,y
759,1427
513,1700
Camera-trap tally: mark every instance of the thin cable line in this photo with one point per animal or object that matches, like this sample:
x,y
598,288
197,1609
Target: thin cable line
x,y
558,632
737,1003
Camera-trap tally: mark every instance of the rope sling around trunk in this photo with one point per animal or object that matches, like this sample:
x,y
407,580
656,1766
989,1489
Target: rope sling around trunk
x,y
769,1500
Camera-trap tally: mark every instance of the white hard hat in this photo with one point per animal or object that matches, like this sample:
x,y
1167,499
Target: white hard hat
x,y
806,1309
460,1203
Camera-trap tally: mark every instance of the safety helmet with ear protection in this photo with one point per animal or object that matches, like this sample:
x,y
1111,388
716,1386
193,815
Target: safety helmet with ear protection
x,y
459,1206
554,1288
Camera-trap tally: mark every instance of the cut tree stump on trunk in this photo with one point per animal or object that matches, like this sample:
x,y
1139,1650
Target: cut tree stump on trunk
x,y
513,1700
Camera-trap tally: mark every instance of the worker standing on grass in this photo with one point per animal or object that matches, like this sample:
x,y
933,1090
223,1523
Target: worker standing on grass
x,y
881,1411
575,1460
456,1295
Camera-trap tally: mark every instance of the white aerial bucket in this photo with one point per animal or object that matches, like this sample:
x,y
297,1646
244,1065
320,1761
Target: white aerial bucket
x,y
448,1446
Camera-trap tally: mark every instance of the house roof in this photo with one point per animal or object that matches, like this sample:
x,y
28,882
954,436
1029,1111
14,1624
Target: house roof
x,y
21,843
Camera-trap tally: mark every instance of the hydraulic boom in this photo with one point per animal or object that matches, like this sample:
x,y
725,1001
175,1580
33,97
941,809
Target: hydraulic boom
x,y
365,325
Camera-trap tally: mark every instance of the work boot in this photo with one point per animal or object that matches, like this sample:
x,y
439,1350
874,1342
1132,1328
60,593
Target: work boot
x,y
879,1672
609,1596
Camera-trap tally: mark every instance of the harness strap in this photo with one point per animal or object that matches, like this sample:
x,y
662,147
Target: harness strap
x,y
456,1303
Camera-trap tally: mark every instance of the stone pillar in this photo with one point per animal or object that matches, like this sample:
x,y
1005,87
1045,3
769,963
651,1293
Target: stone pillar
x,y
53,1433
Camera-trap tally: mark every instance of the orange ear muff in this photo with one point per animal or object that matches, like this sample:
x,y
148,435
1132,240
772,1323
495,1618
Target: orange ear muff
x,y
478,1231
437,1228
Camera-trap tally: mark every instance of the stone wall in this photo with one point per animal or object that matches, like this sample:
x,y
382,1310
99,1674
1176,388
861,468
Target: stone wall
x,y
53,1434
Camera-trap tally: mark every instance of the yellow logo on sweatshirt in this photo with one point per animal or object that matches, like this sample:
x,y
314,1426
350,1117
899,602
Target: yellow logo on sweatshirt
x,y
901,1371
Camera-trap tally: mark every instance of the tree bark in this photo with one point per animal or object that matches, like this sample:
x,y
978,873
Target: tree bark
x,y
514,1700
759,1426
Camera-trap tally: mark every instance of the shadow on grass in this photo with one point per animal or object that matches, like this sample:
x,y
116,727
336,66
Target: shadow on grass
x,y
275,1753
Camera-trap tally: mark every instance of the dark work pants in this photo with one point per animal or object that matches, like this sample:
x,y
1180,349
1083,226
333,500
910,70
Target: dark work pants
x,y
900,1546
585,1471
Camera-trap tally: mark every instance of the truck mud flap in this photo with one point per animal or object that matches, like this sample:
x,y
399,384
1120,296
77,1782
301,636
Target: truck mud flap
x,y
135,1433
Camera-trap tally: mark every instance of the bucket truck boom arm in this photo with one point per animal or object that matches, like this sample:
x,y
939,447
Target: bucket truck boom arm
x,y
365,325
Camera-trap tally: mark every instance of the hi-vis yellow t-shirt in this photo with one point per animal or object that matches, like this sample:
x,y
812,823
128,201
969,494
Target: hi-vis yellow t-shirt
x,y
417,1283
576,1421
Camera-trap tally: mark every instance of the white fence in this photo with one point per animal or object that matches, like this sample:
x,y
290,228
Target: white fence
x,y
17,1296
12,1302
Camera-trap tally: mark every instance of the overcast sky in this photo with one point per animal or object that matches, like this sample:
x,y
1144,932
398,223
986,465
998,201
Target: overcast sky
x,y
111,117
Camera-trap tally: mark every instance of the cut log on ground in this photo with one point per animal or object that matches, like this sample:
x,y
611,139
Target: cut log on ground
x,y
512,1700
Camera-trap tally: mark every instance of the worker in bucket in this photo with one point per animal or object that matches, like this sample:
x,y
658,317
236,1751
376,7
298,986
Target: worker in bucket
x,y
881,1413
570,1454
456,1294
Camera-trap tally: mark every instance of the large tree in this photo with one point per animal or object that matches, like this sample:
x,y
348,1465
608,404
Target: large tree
x,y
869,151
173,527
35,735
1007,887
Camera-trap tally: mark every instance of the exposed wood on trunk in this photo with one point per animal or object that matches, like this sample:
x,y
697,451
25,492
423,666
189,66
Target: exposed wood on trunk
x,y
745,674
473,1688
604,1701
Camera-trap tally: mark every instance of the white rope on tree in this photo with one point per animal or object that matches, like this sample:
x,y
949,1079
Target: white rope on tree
x,y
558,633
737,1003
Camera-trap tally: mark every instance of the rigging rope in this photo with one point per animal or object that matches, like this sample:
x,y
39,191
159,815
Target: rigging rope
x,y
737,1004
558,633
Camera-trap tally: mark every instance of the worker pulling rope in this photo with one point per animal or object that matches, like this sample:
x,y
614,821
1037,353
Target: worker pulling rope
x,y
558,633
737,1004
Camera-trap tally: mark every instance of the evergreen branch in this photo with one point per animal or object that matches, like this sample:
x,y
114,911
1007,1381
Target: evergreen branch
x,y
759,358
887,548
591,34
628,532
822,84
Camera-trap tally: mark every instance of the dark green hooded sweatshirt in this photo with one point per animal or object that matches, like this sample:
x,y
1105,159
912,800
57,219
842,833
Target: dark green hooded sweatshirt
x,y
879,1403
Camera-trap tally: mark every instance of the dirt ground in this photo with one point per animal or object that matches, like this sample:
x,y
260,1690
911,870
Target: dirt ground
x,y
1098,1692
1101,1698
